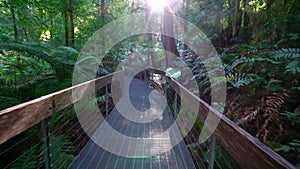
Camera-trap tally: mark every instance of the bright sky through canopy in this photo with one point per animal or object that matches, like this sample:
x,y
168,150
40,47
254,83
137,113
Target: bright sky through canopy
x,y
157,5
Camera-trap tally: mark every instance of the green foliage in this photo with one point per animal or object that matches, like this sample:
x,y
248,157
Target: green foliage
x,y
61,148
292,57
293,67
61,151
8,102
61,155
238,80
61,59
292,146
35,62
260,82
258,67
31,160
32,70
290,53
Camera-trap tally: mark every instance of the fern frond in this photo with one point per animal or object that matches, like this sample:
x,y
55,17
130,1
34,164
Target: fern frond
x,y
250,116
293,67
293,117
61,151
272,103
246,61
61,60
35,50
238,80
31,159
289,53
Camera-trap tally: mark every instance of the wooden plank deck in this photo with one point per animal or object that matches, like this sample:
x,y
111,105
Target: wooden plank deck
x,y
178,157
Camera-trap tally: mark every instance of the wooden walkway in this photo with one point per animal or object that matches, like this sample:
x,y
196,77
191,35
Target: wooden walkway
x,y
93,156
153,137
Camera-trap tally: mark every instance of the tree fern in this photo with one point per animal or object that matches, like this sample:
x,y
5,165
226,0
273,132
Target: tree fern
x,y
34,50
61,59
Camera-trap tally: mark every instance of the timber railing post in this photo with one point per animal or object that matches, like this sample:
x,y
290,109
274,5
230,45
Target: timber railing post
x,y
166,88
106,100
46,143
176,106
145,76
46,140
150,74
212,150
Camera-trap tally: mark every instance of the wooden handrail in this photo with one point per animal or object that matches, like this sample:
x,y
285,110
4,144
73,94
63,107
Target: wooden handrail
x,y
17,119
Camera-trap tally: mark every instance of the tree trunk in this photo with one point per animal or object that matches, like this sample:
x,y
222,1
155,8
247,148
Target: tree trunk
x,y
186,5
270,2
102,9
72,42
235,17
13,14
148,38
243,15
66,22
168,41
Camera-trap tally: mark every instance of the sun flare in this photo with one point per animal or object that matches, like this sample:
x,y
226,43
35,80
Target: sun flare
x,y
157,5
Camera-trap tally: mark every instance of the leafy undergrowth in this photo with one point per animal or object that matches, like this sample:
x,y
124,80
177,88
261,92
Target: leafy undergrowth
x,y
263,97
263,93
